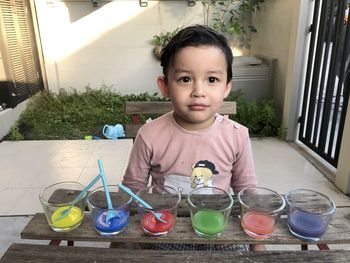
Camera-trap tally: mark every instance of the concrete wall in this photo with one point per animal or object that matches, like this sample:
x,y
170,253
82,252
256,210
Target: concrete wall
x,y
276,23
84,45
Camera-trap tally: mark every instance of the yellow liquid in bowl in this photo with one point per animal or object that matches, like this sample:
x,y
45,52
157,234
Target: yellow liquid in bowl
x,y
73,218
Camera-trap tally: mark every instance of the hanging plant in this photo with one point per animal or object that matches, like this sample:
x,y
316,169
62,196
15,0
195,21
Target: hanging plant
x,y
231,17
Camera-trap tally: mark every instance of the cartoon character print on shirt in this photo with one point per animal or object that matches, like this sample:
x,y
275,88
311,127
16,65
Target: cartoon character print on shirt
x,y
203,174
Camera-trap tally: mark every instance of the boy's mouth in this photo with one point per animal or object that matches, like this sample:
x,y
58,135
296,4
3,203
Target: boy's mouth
x,y
198,107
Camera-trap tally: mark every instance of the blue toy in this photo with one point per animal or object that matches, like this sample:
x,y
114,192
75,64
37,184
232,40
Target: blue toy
x,y
113,132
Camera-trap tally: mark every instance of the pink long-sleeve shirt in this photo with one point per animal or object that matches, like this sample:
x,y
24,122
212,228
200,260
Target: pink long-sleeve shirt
x,y
219,156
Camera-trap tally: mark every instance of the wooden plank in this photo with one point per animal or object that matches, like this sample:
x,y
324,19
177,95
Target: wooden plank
x,y
147,107
228,107
131,130
338,232
162,107
18,253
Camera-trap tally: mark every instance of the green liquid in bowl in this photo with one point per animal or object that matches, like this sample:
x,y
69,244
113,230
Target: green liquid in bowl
x,y
208,222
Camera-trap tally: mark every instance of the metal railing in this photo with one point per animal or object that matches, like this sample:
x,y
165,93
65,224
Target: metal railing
x,y
327,82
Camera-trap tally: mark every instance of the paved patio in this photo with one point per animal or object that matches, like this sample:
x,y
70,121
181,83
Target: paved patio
x,y
29,166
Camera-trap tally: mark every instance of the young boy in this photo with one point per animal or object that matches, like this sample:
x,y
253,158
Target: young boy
x,y
193,145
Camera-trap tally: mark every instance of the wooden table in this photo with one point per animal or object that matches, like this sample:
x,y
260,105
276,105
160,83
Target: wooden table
x,y
337,233
41,253
38,229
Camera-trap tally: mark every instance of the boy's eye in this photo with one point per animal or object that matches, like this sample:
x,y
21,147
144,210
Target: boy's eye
x,y
185,79
212,79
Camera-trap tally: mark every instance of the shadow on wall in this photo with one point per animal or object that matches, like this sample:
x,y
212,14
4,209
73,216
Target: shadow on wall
x,y
108,45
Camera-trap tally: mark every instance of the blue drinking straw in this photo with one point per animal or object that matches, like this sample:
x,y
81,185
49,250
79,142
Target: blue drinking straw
x,y
111,212
65,212
142,202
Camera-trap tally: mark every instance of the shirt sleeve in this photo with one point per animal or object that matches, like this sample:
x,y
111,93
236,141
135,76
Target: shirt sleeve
x,y
138,170
243,171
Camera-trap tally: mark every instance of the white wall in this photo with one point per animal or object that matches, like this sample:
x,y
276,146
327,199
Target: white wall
x,y
110,45
9,116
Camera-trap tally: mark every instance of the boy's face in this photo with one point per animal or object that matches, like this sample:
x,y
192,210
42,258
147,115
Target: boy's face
x,y
196,85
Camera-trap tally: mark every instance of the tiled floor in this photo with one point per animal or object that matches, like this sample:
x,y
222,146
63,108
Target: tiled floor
x,y
280,167
27,167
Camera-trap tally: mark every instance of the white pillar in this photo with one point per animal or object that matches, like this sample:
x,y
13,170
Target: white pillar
x,y
342,177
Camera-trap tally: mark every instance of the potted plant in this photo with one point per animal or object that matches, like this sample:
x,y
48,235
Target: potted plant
x,y
159,41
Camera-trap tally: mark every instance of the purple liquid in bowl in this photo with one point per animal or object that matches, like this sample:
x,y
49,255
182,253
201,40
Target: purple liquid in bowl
x,y
306,225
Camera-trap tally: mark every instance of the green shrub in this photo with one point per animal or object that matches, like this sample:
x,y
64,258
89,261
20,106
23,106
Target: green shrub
x,y
14,134
282,133
73,115
259,117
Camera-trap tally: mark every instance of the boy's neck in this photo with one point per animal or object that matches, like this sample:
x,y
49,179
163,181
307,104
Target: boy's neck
x,y
192,126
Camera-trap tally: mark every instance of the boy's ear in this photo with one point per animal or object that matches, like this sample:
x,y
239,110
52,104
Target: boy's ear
x,y
228,89
163,86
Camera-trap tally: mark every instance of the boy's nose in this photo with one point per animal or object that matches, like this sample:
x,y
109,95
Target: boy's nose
x,y
197,90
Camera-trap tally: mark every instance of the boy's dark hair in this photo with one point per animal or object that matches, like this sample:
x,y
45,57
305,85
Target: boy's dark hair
x,y
194,36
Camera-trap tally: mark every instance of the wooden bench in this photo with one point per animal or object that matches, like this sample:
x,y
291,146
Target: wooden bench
x,y
17,253
136,108
337,233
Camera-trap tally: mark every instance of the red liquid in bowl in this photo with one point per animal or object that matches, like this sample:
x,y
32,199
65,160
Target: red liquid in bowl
x,y
154,226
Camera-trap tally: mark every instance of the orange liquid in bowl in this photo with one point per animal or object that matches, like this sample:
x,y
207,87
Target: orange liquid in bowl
x,y
259,224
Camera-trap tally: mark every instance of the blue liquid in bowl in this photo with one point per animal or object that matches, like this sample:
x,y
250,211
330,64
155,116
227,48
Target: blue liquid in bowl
x,y
114,226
